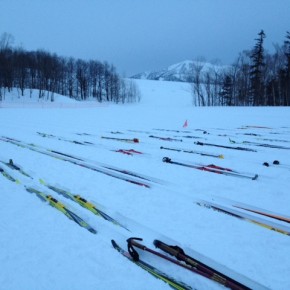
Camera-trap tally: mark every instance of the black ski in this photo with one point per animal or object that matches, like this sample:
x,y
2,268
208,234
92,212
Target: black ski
x,y
212,168
165,138
193,152
13,166
259,144
8,176
134,140
223,146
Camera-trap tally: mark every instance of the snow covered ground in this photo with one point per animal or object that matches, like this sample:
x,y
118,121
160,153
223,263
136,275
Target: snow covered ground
x,y
42,249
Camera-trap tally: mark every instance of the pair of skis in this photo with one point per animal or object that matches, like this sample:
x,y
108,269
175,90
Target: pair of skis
x,y
45,135
212,168
67,194
8,176
264,213
165,138
11,165
62,208
260,144
152,270
130,152
57,204
182,260
224,146
193,152
134,140
47,198
234,211
121,174
82,202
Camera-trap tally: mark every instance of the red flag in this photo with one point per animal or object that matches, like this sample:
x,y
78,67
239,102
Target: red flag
x,y
185,124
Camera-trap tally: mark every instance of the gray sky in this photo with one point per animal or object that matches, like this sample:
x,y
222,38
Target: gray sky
x,y
139,35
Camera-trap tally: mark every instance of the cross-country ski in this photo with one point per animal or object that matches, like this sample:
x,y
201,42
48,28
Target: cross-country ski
x,y
212,168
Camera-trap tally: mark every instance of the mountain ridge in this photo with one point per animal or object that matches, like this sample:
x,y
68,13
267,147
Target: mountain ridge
x,y
181,72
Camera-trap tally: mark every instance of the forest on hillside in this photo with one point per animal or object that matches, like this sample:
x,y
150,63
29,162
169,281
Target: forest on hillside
x,y
49,73
256,78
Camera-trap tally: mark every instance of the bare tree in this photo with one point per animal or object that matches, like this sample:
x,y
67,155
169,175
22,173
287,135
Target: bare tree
x,y
196,76
52,74
6,41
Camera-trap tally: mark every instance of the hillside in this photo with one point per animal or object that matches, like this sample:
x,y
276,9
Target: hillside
x,y
77,150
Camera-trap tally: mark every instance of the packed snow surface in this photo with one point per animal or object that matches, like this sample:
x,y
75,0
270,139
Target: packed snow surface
x,y
40,248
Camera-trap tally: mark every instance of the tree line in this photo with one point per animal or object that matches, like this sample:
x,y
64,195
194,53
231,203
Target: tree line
x,y
256,78
49,74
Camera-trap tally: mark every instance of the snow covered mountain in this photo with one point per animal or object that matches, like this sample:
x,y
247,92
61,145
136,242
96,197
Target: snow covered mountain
x,y
181,72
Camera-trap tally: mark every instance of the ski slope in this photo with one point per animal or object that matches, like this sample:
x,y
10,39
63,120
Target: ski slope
x,y
40,248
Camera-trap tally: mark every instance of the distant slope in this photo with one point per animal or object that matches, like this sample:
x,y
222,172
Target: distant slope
x,y
180,72
32,99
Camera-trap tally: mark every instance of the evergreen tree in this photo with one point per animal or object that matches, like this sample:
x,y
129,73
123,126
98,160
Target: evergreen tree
x,y
226,93
287,71
256,74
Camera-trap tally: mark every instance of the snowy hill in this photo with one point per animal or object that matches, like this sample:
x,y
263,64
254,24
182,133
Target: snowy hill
x,y
90,153
180,72
31,98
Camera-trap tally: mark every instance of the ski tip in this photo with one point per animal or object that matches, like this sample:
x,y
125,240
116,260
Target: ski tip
x,y
92,230
115,245
255,177
198,143
41,181
166,159
156,243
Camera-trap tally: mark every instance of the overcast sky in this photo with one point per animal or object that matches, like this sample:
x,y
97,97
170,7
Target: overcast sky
x,y
140,35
